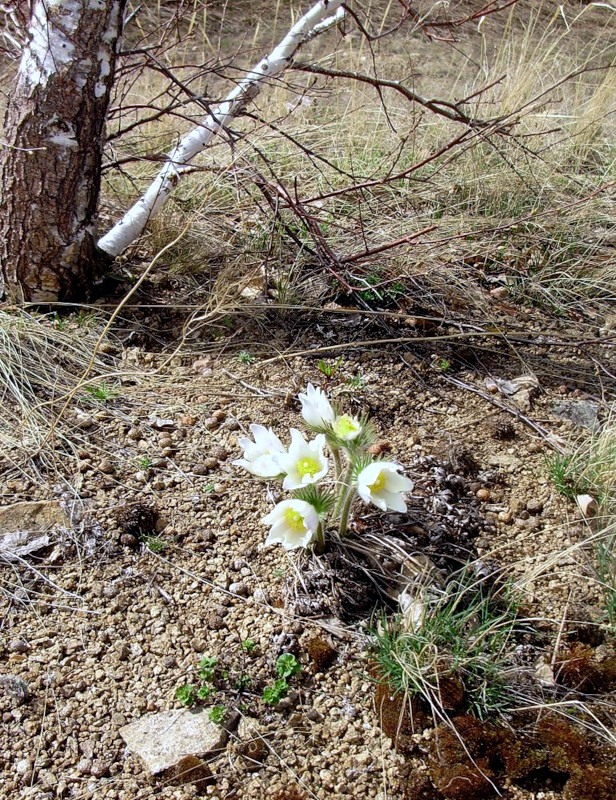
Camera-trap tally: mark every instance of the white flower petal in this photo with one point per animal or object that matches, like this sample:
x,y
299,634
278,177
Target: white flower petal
x,y
380,484
316,408
260,455
294,524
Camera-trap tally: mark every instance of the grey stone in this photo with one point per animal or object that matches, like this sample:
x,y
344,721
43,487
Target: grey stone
x,y
163,740
582,413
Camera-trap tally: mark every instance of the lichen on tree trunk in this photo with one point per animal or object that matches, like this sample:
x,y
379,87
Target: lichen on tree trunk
x,y
50,162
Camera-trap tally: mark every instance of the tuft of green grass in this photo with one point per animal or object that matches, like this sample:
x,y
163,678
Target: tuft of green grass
x,y
468,635
101,392
565,474
155,543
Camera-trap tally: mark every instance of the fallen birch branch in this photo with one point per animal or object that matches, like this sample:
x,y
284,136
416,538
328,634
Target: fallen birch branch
x,y
322,15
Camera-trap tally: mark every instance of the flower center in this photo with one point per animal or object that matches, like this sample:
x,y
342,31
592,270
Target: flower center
x,y
379,483
294,520
346,427
307,466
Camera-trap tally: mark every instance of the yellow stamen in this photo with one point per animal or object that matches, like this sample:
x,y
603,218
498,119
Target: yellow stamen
x,y
307,466
379,483
294,520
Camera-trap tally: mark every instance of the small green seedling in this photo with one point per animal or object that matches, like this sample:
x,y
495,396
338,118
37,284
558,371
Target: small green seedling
x,y
249,646
144,463
272,695
186,695
287,666
155,543
356,382
102,392
207,665
217,714
205,692
329,370
442,364
244,357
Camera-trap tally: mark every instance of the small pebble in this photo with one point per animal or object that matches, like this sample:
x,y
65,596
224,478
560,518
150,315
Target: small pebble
x,y
238,588
220,415
534,506
99,769
18,646
483,495
106,467
210,424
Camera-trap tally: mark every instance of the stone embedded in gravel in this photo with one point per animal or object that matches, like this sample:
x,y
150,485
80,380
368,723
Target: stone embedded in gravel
x,y
582,413
163,740
18,646
238,588
534,506
99,769
31,516
106,467
16,688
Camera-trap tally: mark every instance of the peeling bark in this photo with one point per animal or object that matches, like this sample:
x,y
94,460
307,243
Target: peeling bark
x,y
50,165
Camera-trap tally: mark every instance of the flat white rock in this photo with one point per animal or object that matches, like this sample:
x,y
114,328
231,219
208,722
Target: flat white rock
x,y
163,740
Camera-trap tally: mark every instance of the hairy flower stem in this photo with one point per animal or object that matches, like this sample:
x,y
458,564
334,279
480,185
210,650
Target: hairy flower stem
x,y
337,462
319,545
346,508
342,487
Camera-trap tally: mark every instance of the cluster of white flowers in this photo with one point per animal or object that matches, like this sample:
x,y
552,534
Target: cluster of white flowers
x,y
302,521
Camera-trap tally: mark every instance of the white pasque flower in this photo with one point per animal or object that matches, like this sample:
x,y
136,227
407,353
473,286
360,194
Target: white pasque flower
x,y
260,455
316,408
346,427
379,483
304,463
294,523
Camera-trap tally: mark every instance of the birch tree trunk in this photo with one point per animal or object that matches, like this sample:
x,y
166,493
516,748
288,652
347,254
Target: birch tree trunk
x,y
50,161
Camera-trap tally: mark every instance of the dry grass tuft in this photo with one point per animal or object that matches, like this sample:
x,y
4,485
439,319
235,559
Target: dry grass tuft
x,y
42,361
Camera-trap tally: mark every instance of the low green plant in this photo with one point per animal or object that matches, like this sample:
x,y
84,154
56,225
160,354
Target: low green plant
x,y
206,668
287,666
244,357
101,392
274,693
564,472
145,462
205,692
249,646
155,543
442,364
357,382
327,368
186,694
217,714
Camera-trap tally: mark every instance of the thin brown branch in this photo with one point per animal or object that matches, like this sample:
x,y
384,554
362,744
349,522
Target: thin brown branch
x,y
443,108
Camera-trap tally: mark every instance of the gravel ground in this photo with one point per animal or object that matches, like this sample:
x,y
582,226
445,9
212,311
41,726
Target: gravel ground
x,y
106,630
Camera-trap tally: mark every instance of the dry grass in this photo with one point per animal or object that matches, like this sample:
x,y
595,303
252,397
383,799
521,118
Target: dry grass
x,y
42,363
531,208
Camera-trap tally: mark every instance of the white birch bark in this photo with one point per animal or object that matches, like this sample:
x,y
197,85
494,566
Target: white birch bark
x,y
319,18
